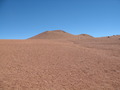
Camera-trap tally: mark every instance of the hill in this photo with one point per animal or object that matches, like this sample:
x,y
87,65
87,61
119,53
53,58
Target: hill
x,y
59,34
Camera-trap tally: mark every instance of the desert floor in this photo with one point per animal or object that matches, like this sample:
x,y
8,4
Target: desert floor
x,y
38,64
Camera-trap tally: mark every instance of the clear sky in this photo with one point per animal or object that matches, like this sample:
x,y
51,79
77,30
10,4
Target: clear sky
x,y
21,19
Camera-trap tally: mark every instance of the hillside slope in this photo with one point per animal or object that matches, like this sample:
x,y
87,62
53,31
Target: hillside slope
x,y
41,64
59,34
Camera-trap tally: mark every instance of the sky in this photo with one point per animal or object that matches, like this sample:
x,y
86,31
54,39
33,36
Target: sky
x,y
21,19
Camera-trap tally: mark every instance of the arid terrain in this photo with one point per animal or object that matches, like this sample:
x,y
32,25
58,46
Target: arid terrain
x,y
56,60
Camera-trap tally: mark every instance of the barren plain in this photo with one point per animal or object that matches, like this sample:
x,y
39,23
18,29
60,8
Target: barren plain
x,y
60,64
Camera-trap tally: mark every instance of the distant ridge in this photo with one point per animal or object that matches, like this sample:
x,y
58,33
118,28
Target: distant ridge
x,y
111,37
59,34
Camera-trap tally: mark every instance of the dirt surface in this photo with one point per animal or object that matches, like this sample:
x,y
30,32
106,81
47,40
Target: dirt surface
x,y
60,34
42,64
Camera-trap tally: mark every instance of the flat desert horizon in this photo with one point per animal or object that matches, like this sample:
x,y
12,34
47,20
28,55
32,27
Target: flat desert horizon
x,y
57,60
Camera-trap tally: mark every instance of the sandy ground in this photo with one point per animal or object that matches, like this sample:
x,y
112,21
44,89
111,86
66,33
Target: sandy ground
x,y
89,64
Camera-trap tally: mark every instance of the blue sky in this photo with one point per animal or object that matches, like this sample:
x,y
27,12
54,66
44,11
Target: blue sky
x,y
21,19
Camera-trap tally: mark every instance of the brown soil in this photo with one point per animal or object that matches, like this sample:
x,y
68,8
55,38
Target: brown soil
x,y
46,64
59,34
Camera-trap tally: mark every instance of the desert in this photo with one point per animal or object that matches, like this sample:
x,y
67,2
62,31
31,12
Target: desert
x,y
57,60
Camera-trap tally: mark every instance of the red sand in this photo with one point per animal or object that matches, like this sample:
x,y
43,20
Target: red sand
x,y
42,64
